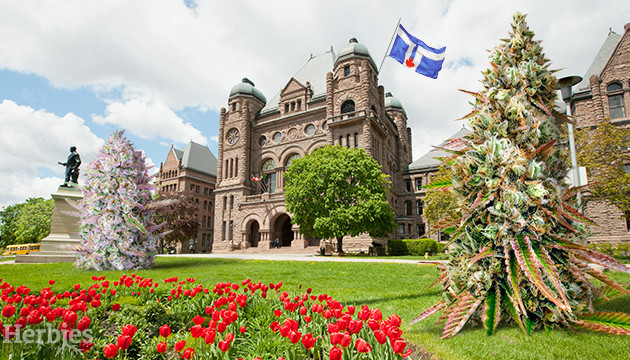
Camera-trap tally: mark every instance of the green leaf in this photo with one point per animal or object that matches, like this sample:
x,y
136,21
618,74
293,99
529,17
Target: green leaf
x,y
610,322
492,311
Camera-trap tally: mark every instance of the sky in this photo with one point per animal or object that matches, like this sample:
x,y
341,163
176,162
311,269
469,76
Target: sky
x,y
73,72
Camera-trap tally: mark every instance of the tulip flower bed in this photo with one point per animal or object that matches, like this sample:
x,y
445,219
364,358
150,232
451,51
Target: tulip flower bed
x,y
135,317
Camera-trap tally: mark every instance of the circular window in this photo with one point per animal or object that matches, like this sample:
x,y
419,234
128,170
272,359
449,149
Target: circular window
x,y
262,141
310,129
325,125
232,136
277,137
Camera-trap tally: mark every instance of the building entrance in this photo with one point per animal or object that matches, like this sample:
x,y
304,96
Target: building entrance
x,y
283,230
254,234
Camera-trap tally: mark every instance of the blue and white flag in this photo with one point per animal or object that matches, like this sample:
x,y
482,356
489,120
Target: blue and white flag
x,y
414,53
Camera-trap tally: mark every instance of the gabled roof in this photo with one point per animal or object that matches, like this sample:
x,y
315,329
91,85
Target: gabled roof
x,y
314,72
600,61
197,157
429,161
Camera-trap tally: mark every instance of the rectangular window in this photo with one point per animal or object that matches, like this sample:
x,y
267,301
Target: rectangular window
x,y
233,106
616,106
356,140
346,71
419,207
401,228
418,184
227,167
286,107
231,230
348,140
192,187
292,106
236,167
197,189
203,223
205,205
409,229
341,140
299,104
205,191
421,230
272,183
407,185
223,231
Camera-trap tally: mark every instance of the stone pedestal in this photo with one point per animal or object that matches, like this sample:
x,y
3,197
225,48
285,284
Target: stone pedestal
x,y
60,245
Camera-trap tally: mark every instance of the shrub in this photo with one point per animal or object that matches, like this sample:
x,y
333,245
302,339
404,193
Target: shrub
x,y
414,247
420,247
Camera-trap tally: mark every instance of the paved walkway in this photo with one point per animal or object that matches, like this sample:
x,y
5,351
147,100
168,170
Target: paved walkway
x,y
300,257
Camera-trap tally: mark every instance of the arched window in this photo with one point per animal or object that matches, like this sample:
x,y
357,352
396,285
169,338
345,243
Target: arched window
x,y
615,101
419,207
291,158
269,176
347,106
407,208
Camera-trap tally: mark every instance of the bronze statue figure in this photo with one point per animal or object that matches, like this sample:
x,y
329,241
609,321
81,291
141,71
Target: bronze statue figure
x,y
72,167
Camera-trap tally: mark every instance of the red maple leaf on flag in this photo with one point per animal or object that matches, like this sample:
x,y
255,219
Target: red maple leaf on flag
x,y
409,62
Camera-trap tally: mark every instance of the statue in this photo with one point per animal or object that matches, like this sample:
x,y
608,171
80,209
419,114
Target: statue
x,y
72,167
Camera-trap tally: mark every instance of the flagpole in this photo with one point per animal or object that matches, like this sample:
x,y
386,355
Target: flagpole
x,y
389,46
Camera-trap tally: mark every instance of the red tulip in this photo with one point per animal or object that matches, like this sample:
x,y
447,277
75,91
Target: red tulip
x,y
210,336
224,345
110,350
196,331
362,346
399,346
161,347
198,320
85,345
165,331
83,323
380,336
8,310
51,282
243,329
116,307
335,353
355,326
124,341
129,330
188,353
373,324
277,313
294,337
179,346
346,339
308,341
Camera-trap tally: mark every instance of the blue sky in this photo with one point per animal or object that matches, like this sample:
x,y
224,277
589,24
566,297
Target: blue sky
x,y
72,72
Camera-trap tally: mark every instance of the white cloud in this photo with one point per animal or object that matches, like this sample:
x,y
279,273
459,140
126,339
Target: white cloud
x,y
192,57
150,120
34,139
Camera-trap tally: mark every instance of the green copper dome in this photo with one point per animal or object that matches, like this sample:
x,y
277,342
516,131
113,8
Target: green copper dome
x,y
246,87
354,48
391,101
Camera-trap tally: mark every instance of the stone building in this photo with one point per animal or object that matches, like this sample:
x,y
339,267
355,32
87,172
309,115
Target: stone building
x,y
334,99
605,93
193,169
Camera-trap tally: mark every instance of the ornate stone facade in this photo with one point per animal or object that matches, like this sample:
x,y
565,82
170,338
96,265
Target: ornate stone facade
x,y
605,93
332,100
192,169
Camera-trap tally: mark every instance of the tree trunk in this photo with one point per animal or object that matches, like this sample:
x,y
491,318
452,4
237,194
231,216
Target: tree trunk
x,y
339,244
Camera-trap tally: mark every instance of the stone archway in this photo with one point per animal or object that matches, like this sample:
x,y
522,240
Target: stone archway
x,y
254,234
283,230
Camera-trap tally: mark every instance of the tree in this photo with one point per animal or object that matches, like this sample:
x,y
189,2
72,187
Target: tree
x,y
116,227
517,253
179,218
337,191
440,202
26,222
603,151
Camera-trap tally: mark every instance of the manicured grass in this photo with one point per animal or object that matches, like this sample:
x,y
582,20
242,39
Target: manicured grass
x,y
393,288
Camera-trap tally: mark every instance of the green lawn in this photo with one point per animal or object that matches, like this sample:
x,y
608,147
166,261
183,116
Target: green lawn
x,y
394,288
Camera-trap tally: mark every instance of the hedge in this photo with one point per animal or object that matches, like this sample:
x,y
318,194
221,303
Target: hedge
x,y
415,247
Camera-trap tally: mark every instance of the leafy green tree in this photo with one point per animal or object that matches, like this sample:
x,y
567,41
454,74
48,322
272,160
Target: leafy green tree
x,y
440,202
34,222
337,191
517,253
26,222
603,151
